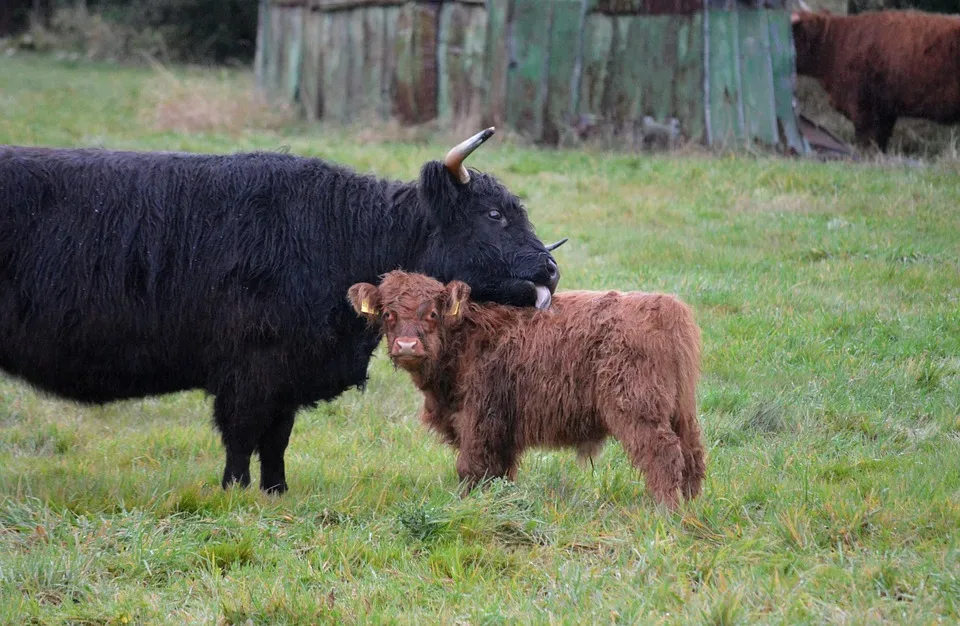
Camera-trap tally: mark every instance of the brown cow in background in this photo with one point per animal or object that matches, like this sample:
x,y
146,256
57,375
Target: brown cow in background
x,y
876,67
498,379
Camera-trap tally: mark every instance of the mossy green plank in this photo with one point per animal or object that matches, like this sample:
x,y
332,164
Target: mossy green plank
x,y
784,81
650,53
618,92
564,42
724,83
759,106
688,76
597,42
527,81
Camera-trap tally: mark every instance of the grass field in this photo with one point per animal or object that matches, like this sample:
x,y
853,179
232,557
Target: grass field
x,y
829,301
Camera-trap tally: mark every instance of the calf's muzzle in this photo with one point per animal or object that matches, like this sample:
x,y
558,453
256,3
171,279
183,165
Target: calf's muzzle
x,y
406,346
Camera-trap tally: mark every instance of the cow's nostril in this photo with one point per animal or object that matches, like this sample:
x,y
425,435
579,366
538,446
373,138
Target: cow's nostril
x,y
553,274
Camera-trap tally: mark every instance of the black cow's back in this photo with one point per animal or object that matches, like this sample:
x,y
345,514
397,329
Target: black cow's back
x,y
127,274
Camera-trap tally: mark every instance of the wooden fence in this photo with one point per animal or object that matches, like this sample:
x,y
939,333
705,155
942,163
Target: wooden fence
x,y
720,71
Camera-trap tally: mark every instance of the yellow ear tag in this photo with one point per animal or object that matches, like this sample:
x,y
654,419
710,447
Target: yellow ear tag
x,y
365,306
456,308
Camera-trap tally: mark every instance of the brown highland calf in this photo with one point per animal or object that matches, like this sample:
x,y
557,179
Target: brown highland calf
x,y
498,380
876,67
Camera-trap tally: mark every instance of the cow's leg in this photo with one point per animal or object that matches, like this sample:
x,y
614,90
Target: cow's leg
x,y
273,443
873,129
655,450
241,423
884,132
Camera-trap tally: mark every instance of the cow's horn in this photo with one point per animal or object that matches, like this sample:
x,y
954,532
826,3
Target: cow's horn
x,y
455,158
554,246
803,5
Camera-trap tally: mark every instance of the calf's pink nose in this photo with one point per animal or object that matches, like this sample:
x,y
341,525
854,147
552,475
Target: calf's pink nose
x,y
405,348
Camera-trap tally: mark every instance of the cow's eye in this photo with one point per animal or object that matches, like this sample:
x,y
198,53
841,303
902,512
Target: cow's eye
x,y
495,215
432,315
388,316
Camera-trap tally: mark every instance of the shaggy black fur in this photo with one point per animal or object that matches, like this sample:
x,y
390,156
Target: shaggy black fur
x,y
129,274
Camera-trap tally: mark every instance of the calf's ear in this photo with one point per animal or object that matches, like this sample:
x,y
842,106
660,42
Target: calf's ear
x,y
365,299
457,294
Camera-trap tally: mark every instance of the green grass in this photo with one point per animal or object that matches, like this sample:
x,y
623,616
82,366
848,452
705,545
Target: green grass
x,y
829,300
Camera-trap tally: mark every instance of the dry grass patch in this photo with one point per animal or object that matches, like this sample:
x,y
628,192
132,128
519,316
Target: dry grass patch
x,y
220,102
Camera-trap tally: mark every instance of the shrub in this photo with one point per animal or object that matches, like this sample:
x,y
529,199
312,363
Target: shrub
x,y
192,31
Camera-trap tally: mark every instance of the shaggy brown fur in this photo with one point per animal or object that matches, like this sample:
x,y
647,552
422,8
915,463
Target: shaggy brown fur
x,y
498,379
876,67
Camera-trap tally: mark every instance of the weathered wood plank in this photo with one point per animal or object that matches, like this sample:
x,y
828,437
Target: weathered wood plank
x,y
312,74
264,12
275,62
528,76
496,62
725,112
598,38
460,58
336,67
475,58
415,99
759,105
619,90
784,64
388,75
564,39
652,65
646,7
373,62
450,34
294,52
689,98
339,5
357,100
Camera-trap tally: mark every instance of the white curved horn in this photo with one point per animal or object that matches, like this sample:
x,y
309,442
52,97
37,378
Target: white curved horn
x,y
455,158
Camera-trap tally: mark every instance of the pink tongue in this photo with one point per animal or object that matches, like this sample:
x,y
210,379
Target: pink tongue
x,y
543,297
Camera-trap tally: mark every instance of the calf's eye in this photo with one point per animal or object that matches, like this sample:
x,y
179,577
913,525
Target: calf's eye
x,y
495,216
433,315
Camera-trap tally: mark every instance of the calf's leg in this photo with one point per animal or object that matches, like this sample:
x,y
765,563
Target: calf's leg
x,y
691,443
694,464
655,450
487,450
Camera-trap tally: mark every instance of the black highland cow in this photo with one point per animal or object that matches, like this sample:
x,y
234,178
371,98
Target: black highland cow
x,y
127,274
